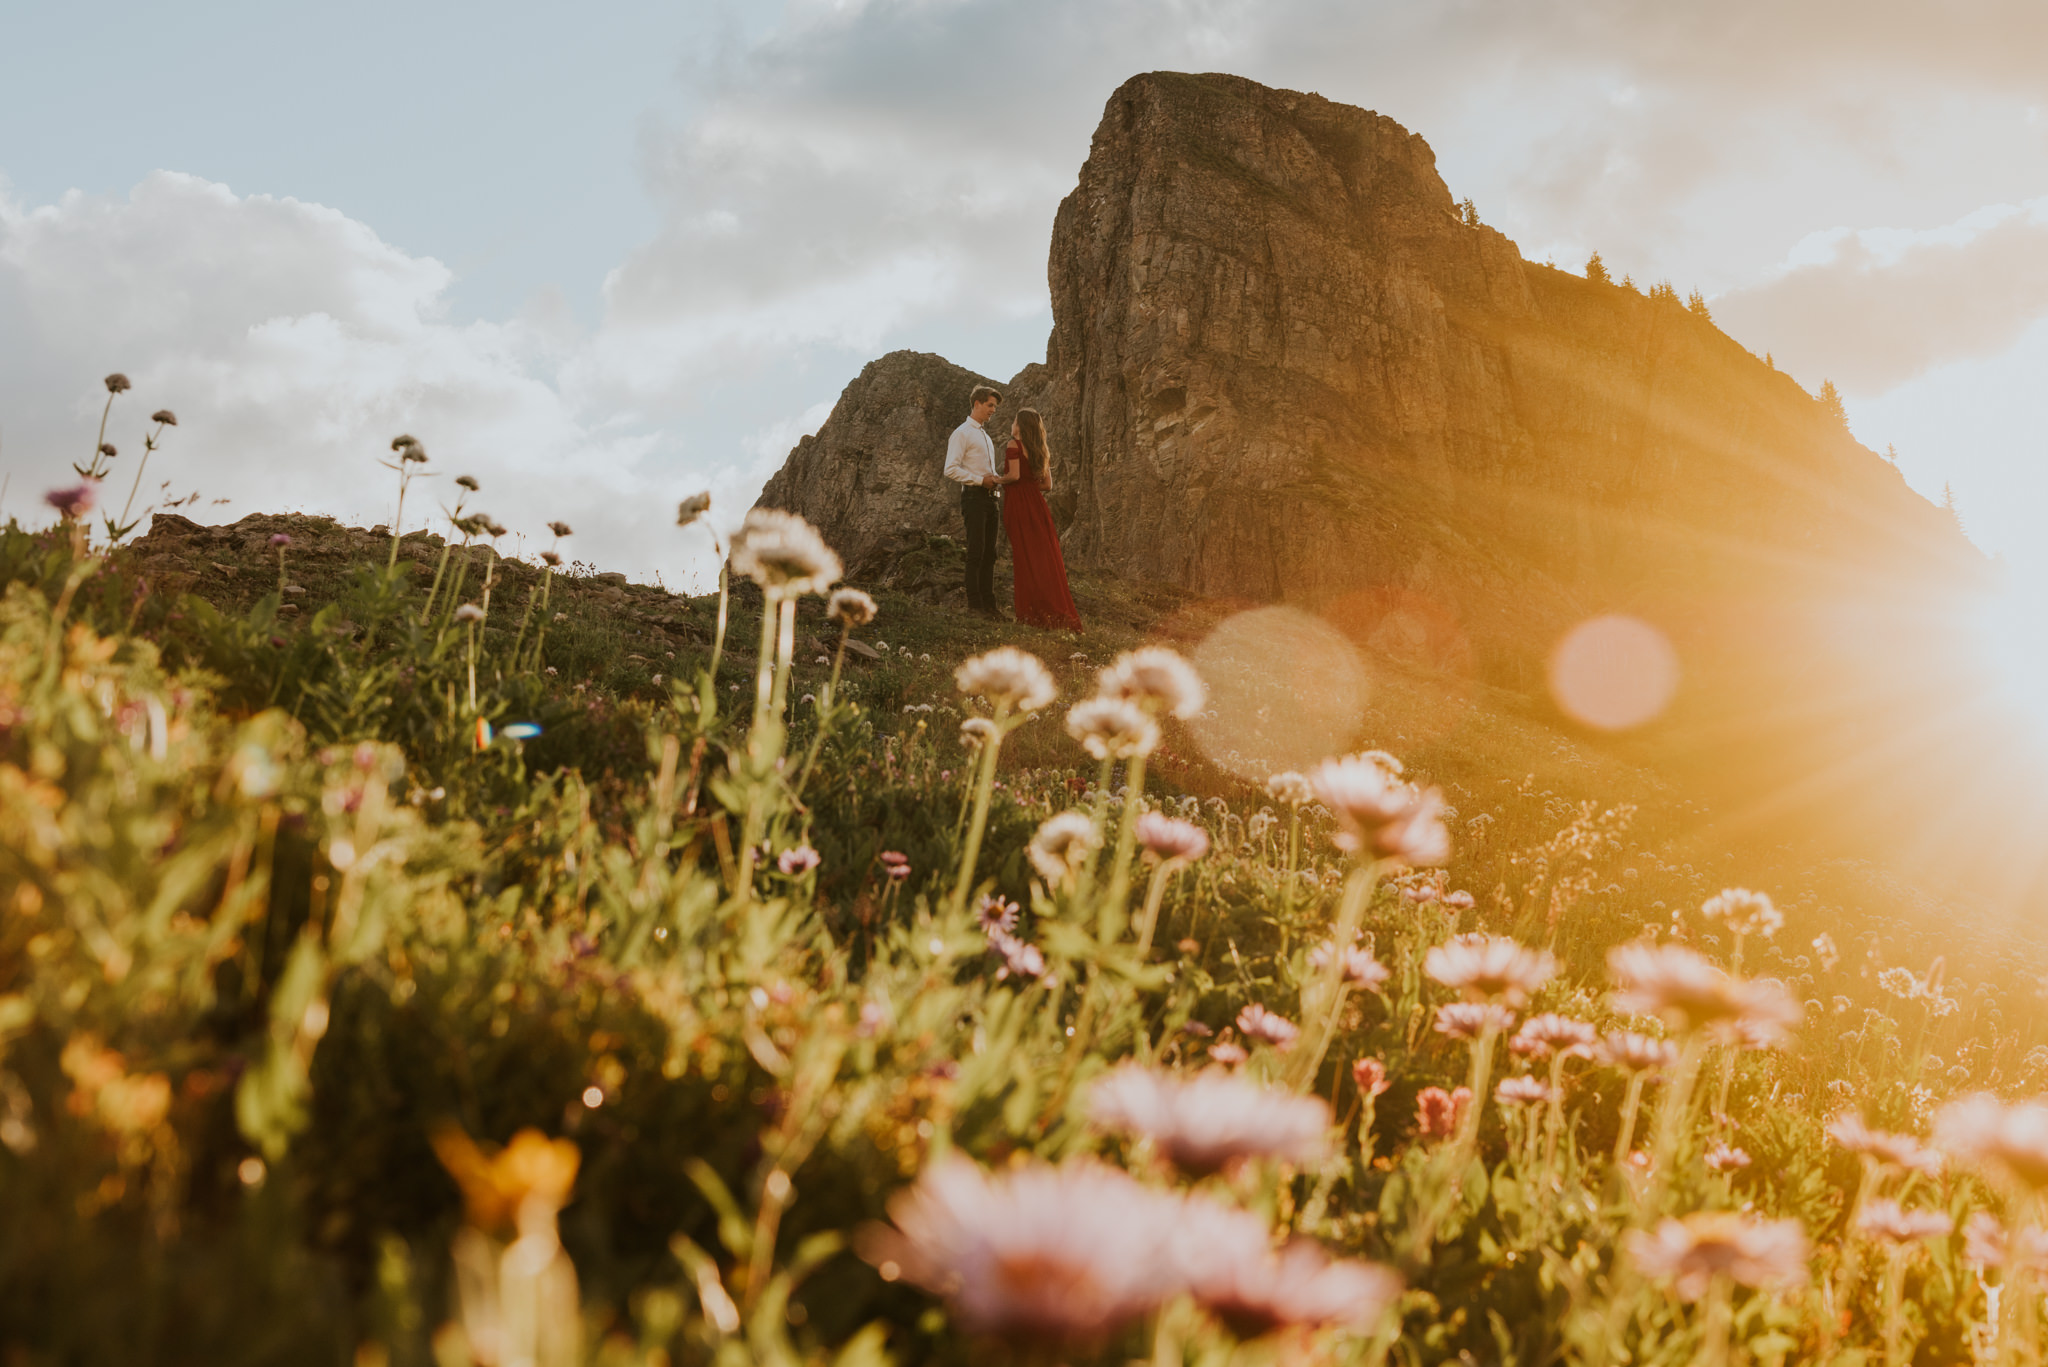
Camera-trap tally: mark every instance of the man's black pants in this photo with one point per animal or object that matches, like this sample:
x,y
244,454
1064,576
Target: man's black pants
x,y
984,522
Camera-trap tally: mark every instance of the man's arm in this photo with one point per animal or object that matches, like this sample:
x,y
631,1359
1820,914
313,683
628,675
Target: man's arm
x,y
956,459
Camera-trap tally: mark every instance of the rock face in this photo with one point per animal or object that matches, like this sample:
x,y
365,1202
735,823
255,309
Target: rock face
x,y
1284,366
876,468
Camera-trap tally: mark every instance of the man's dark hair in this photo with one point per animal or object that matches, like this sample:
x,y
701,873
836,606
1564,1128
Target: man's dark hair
x,y
982,391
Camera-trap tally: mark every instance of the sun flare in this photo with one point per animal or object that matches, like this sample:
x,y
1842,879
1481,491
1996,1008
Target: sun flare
x,y
2010,630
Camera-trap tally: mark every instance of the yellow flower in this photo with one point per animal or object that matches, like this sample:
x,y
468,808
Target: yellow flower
x,y
524,1183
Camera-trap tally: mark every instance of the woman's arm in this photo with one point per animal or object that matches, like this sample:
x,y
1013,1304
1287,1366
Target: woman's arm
x,y
1014,469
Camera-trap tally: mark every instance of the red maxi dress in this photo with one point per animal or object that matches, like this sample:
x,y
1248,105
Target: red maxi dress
x,y
1041,571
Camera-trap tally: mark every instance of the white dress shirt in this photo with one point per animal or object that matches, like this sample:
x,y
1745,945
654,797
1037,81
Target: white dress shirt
x,y
970,454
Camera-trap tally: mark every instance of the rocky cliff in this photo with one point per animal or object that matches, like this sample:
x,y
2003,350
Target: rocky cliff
x,y
1284,366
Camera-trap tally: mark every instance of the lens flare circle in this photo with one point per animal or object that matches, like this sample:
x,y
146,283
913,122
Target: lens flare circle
x,y
1613,673
1286,689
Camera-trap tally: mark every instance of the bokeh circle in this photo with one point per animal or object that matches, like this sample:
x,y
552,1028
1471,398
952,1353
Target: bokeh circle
x,y
1613,673
1286,689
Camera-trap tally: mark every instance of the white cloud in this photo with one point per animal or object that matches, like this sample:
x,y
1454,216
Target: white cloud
x,y
1874,308
293,344
861,176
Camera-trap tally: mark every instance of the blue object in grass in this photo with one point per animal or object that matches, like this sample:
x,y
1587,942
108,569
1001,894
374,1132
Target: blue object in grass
x,y
520,730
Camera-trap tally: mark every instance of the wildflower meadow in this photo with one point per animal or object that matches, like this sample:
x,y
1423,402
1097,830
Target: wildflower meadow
x,y
417,954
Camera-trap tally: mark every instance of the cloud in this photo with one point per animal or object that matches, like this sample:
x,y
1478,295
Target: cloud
x,y
293,343
1874,308
858,175
862,169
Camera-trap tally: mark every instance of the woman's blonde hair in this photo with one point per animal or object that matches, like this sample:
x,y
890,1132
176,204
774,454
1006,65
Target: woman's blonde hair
x,y
1031,432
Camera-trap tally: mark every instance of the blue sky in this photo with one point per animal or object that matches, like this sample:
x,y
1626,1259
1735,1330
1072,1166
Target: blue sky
x,y
501,139
604,255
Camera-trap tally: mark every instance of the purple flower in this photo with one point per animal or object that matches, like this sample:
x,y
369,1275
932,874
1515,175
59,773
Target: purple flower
x,y
800,860
1235,1272
1521,1091
1355,963
1379,813
1256,1022
1056,1255
74,502
1019,958
1541,1036
1205,1122
1489,968
281,540
1170,840
1470,1020
1692,1252
994,914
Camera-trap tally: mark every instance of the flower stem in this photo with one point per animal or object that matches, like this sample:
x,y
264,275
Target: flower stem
x,y
1293,862
434,592
1111,916
1084,882
540,632
1329,988
525,617
397,520
1894,1310
984,785
101,440
785,650
1850,1268
764,744
1154,894
1714,1318
148,445
724,601
764,663
1449,1166
1672,1109
825,713
1631,1104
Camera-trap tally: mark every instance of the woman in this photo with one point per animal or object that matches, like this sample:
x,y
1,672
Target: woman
x,y
1041,572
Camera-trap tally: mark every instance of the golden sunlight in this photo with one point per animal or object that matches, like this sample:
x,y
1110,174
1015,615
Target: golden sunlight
x,y
1285,689
2010,628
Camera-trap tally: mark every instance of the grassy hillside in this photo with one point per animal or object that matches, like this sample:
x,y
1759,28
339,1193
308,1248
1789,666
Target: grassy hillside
x,y
331,873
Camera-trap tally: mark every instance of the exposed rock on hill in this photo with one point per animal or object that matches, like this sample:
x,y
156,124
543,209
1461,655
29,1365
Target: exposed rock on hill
x,y
875,469
1283,365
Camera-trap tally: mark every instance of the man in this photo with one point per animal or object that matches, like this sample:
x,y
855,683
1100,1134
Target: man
x,y
971,463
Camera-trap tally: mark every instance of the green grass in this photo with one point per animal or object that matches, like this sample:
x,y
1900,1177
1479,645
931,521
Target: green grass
x,y
274,919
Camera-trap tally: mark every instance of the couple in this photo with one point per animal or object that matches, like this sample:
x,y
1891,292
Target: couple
x,y
1025,471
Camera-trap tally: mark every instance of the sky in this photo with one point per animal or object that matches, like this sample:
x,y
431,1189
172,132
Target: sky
x,y
602,256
